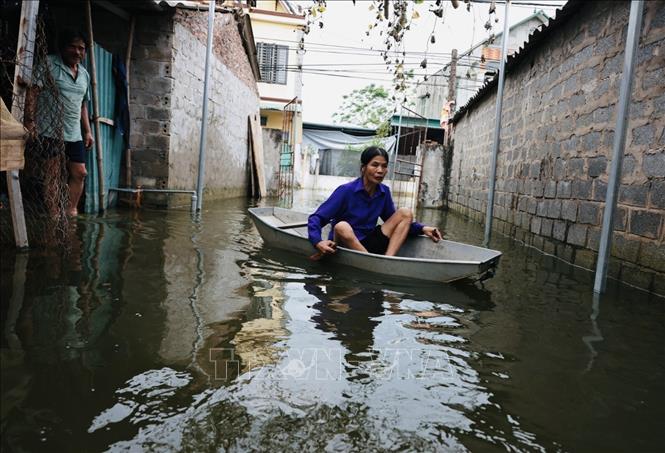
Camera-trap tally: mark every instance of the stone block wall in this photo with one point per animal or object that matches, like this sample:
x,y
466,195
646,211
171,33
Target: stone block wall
x,y
558,120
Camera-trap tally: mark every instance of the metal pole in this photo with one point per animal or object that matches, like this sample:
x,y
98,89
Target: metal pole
x,y
497,129
95,109
25,50
204,114
632,41
396,153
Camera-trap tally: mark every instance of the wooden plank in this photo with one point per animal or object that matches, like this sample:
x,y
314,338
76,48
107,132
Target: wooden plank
x,y
257,153
12,154
250,160
25,50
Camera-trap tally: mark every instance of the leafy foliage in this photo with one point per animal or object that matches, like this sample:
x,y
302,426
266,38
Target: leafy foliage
x,y
370,106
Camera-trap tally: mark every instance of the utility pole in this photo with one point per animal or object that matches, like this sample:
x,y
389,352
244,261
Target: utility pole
x,y
452,80
452,93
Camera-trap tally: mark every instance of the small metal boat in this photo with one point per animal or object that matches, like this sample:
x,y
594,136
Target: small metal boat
x,y
419,258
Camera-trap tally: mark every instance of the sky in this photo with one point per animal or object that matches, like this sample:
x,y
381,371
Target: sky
x,y
340,57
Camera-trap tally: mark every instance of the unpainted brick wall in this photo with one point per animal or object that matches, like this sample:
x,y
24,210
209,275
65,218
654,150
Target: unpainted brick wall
x,y
150,83
558,120
233,97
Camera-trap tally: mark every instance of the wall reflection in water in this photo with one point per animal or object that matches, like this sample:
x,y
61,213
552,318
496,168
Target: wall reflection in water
x,y
158,332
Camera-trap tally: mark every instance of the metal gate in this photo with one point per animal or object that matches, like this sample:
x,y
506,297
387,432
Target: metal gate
x,y
287,154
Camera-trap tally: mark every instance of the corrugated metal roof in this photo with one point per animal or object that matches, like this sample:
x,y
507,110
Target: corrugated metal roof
x,y
539,35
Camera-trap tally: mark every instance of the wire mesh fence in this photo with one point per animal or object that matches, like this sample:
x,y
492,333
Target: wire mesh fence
x,y
44,177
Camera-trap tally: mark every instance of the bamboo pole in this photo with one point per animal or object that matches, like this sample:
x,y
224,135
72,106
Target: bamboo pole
x,y
128,151
95,109
24,56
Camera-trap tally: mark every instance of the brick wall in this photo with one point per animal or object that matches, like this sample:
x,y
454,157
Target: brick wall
x,y
166,97
151,83
558,119
232,99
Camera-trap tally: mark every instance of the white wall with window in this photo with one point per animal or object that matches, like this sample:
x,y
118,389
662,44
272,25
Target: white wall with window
x,y
276,46
273,62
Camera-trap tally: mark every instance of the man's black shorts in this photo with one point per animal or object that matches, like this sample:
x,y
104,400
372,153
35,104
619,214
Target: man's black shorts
x,y
376,241
46,148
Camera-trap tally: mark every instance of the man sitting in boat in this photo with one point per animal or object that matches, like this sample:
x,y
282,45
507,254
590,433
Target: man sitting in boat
x,y
354,208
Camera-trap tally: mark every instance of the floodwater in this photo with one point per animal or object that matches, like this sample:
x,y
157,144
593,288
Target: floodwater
x,y
157,333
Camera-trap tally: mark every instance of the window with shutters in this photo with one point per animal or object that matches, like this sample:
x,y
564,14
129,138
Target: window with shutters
x,y
273,59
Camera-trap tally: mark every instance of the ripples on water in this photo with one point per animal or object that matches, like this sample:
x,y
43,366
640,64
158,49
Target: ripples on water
x,y
163,334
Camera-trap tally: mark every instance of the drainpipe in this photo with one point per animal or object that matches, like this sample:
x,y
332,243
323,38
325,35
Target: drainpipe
x,y
632,41
204,114
497,130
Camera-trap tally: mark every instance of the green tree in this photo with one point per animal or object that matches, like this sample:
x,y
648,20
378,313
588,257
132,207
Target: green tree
x,y
370,106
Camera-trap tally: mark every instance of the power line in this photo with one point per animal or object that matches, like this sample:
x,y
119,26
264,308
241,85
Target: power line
x,y
523,4
407,82
363,51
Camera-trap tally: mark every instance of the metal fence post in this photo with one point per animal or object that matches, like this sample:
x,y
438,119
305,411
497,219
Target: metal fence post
x,y
632,41
204,114
497,129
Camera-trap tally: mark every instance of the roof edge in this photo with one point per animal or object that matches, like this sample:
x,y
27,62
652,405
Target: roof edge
x,y
563,15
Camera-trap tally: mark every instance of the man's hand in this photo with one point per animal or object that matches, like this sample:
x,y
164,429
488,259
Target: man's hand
x,y
432,233
88,141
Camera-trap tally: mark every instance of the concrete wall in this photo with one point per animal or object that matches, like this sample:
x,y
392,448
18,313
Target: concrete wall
x,y
431,184
272,144
559,113
282,30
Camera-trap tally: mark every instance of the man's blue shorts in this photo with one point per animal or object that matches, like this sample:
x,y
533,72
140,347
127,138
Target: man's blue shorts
x,y
75,152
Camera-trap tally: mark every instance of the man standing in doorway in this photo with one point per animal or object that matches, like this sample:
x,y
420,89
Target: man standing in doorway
x,y
63,114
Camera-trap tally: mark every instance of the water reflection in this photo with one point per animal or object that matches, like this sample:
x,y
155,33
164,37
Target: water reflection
x,y
158,333
350,314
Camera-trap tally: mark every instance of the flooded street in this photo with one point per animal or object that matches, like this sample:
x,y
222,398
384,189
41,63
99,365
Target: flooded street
x,y
160,333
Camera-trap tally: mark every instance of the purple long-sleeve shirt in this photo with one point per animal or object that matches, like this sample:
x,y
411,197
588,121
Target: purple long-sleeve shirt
x,y
350,202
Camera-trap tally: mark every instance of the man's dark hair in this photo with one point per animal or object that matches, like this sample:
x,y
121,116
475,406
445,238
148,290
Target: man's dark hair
x,y
370,153
67,36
